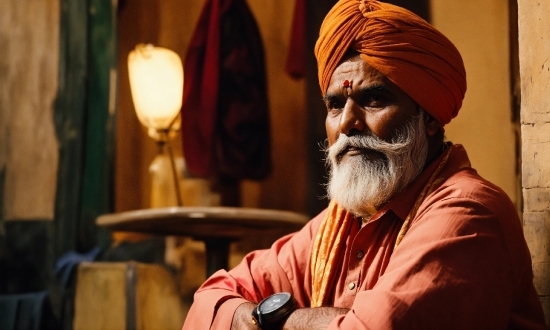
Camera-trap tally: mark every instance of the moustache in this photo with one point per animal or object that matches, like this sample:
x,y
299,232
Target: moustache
x,y
368,145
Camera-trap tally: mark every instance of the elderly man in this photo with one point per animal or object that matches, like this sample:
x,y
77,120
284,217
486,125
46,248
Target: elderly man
x,y
413,236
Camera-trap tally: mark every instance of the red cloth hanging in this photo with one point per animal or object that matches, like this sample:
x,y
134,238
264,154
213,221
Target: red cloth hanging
x,y
296,57
225,119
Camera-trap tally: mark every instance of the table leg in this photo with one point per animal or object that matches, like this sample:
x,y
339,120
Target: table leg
x,y
217,254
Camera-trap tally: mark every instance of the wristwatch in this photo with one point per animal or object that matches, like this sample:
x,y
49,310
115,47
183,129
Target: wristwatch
x,y
273,311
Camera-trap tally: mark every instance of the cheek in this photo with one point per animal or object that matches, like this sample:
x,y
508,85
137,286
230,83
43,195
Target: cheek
x,y
385,124
381,130
331,127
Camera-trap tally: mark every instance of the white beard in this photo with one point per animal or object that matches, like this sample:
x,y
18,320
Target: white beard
x,y
361,183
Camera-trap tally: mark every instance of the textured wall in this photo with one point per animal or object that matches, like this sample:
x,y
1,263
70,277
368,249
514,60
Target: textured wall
x,y
285,189
29,47
479,29
534,54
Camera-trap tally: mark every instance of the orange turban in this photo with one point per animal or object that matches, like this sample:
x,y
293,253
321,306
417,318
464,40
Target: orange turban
x,y
402,46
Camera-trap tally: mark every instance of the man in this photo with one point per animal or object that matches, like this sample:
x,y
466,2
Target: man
x,y
413,236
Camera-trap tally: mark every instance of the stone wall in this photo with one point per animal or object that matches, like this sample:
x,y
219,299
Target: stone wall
x,y
534,54
29,48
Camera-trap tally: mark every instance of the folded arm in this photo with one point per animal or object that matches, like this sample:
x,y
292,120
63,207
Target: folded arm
x,y
300,319
282,268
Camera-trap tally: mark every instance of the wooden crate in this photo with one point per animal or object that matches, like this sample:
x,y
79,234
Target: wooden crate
x,y
126,295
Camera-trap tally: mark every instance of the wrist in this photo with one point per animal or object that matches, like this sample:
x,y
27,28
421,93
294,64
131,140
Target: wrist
x,y
272,312
313,318
241,317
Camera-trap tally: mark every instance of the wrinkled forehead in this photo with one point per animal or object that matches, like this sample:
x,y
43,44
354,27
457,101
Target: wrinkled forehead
x,y
356,71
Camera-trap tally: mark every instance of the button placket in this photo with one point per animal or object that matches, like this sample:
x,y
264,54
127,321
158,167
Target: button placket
x,y
355,263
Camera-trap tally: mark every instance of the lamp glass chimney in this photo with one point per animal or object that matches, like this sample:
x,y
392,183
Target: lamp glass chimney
x,y
156,83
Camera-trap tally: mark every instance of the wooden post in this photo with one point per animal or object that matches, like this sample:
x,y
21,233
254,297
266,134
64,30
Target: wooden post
x,y
84,119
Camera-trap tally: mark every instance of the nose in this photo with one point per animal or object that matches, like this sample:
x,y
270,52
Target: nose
x,y
352,120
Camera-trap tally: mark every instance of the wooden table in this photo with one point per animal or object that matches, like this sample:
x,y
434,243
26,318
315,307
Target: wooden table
x,y
216,226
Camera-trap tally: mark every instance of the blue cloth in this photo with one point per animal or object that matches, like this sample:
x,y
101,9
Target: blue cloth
x,y
26,311
65,265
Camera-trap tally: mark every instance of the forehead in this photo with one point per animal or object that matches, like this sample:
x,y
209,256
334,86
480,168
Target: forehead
x,y
358,71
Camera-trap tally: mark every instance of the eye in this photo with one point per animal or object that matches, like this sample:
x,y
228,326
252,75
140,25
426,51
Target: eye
x,y
334,103
374,100
334,110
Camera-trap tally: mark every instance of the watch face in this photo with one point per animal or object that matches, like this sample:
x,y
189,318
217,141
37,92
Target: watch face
x,y
274,302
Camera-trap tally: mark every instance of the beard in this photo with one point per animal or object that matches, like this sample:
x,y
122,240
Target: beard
x,y
364,180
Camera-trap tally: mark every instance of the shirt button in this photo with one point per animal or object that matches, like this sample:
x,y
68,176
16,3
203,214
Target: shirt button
x,y
351,286
360,254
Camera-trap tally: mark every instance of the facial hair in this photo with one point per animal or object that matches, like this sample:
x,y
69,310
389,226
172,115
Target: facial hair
x,y
362,182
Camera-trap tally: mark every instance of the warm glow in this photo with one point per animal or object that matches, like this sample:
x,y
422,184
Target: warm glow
x,y
156,81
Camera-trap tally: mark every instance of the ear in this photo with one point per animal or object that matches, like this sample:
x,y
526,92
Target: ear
x,y
432,126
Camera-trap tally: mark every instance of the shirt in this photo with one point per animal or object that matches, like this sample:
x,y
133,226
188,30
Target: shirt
x,y
463,263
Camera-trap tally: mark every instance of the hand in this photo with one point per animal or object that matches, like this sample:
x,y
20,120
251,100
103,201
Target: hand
x,y
242,319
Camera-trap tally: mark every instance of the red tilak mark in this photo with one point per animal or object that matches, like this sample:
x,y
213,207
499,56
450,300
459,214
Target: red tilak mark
x,y
346,83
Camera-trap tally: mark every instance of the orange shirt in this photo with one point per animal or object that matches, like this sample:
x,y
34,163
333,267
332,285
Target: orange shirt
x,y
464,263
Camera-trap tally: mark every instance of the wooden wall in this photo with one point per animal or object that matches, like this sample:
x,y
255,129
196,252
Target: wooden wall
x,y
29,55
29,70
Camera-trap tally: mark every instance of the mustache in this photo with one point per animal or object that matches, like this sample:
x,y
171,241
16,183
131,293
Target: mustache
x,y
367,143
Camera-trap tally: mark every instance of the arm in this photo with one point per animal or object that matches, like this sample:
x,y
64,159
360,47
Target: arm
x,y
452,269
313,318
300,319
283,267
242,319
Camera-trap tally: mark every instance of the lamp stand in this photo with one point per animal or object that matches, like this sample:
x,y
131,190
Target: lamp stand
x,y
164,175
175,175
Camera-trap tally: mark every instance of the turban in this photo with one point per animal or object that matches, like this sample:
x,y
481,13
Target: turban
x,y
411,53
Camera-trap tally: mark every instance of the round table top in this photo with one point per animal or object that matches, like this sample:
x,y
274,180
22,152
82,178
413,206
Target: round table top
x,y
204,222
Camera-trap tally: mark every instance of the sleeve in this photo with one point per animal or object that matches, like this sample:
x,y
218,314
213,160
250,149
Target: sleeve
x,y
452,270
283,267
